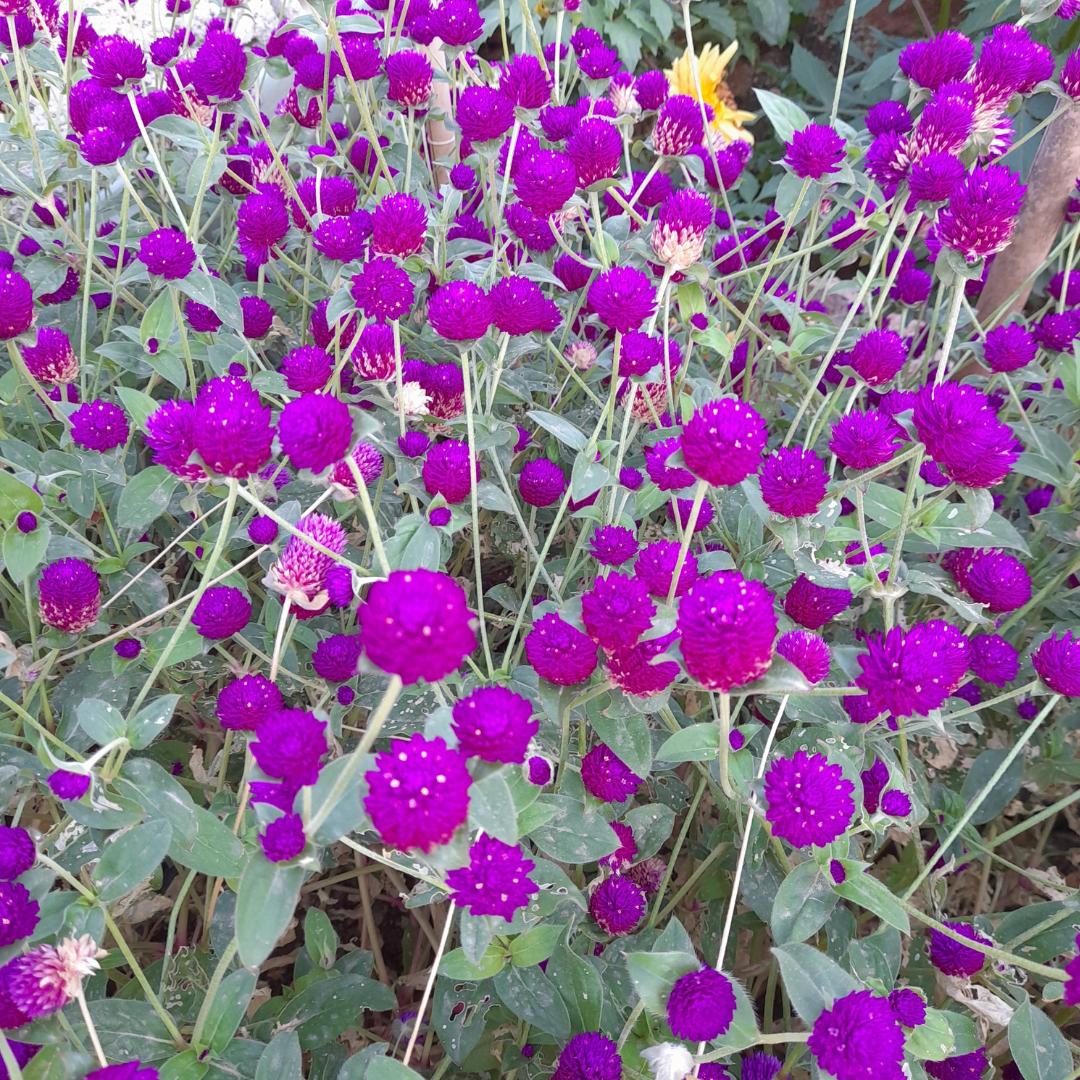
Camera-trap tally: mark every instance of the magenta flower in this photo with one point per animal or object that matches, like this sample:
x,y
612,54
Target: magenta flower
x,y
545,181
878,356
519,307
678,237
115,61
301,570
622,298
289,746
418,793
457,22
952,958
616,611
862,440
814,152
258,317
1009,347
993,659
261,222
980,217
99,426
701,1005
244,703
525,82
19,913
635,670
220,66
589,1056
559,652
232,431
656,564
808,652
306,368
368,460
342,239
167,253
460,311
970,1066
496,881
17,852
315,431
51,359
809,799
595,148
382,290
944,58
541,482
1057,661
410,75
998,580
69,595
723,441
494,724
679,126
398,226
813,605
449,470
483,114
613,545
337,658
617,905
283,839
221,612
859,1037
170,434
793,482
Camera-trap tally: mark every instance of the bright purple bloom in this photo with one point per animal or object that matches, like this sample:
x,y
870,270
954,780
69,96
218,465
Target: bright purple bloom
x,y
935,176
342,239
993,659
545,181
337,657
220,66
678,236
723,441
808,652
306,368
589,1056
617,906
813,605
857,1038
862,440
315,431
51,359
449,470
622,298
519,307
232,432
878,356
496,881
368,462
68,785
301,569
679,126
896,804
996,579
382,290
99,425
26,522
398,226
595,148
651,89
616,611
793,482
167,253
289,746
809,799
980,217
539,771
261,222
17,852
908,1006
525,82
952,958
701,1005
559,652
815,151
258,317
410,76
606,776
1057,661
494,724
541,482
69,595
483,114
19,913
128,648
221,612
115,61
656,563
457,22
244,703
1009,347
283,839
1069,79
613,545
460,311
944,58
971,1066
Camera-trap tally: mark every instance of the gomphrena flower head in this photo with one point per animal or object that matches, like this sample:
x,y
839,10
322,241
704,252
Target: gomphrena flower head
x,y
878,356
613,545
496,881
301,569
45,979
364,459
814,152
793,482
16,304
809,799
19,913
374,355
410,76
289,745
220,66
232,432
589,1056
945,58
115,61
494,724
896,803
656,564
99,426
701,1005
997,579
723,441
908,1006
950,957
728,625
315,431
559,652
1069,78
808,652
679,126
283,839
970,1066
992,659
69,595
66,784
519,307
483,114
418,793
1057,660
862,440
812,605
450,469
595,148
617,905
416,624
981,214
545,181
382,290
221,612
258,317
622,298
635,670
678,236
859,1038
617,610
306,368
541,482
961,432
17,852
398,226
342,239
51,359
167,253
261,222
906,672
935,176
525,81
460,311
244,703
337,657
606,776
1009,347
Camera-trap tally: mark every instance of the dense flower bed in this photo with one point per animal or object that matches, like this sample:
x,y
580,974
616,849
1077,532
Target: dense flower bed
x,y
484,525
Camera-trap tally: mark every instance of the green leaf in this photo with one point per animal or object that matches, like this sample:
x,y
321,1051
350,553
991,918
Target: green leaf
x,y
131,858
210,848
151,720
803,904
652,825
865,890
579,985
100,720
932,1040
529,994
1037,1044
785,116
456,964
492,808
698,742
560,427
384,1068
576,834
228,1009
320,938
812,981
348,814
587,477
185,1066
1001,794
157,321
654,973
127,1029
24,552
282,1058
265,902
771,19
15,497
226,304
535,945
145,497
137,404
492,497
628,736
812,74
323,1011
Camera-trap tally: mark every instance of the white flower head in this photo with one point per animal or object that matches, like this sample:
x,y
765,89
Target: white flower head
x,y
669,1061
412,400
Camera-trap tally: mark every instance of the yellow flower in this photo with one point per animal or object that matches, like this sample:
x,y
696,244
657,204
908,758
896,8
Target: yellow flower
x,y
728,119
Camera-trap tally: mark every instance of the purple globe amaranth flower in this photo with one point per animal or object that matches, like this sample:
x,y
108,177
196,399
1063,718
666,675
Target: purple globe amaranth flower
x,y
970,1066
950,957
896,804
342,239
67,784
935,176
814,152
808,652
595,148
655,566
17,852
244,703
701,1005
410,75
519,307
103,146
128,648
996,579
418,793
99,425
908,1006
651,90
398,226
906,672
878,356
666,477
545,181
1009,347
19,913
483,114
980,217
382,290
301,570
449,470
1057,661
337,658
289,746
589,1056
723,441
374,355
945,58
307,368
858,1037
69,595
261,223
679,126
494,724
616,611
539,770
793,482
496,881
606,776
613,545
460,311
167,253
283,839
26,522
678,236
220,66
634,670
541,482
617,905
457,22
961,432
993,659
221,612
1069,78
416,624
315,431
115,61
862,440
809,799
1010,62
367,461
812,605
525,81
622,298
728,625
46,978
258,317
51,359
231,432
559,652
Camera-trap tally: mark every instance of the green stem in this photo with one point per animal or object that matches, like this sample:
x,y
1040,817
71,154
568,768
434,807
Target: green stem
x,y
211,993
